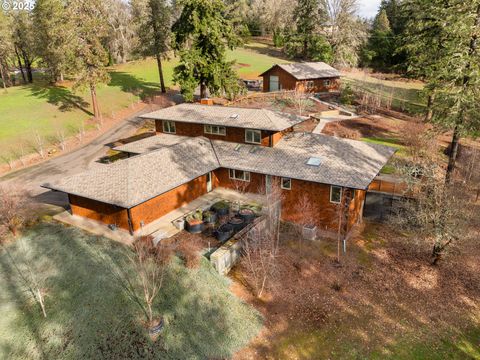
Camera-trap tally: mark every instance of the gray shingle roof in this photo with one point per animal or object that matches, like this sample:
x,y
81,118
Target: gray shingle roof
x,y
130,182
343,162
152,143
261,119
309,70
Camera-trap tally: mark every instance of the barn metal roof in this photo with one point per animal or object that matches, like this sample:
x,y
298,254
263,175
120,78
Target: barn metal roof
x,y
247,118
308,70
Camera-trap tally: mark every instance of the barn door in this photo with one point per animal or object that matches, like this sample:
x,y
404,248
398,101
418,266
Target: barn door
x,y
274,83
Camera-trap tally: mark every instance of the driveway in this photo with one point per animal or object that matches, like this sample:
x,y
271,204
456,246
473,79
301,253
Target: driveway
x,y
71,163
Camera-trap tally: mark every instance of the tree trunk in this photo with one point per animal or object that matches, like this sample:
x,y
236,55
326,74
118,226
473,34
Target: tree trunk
x,y
61,76
96,109
28,66
429,114
20,66
2,75
160,72
203,90
452,156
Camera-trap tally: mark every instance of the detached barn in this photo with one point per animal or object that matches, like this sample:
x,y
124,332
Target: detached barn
x,y
314,77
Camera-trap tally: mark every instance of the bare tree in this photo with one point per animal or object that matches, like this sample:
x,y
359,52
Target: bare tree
x,y
304,207
261,246
8,158
32,278
38,143
80,132
15,209
61,138
143,278
299,99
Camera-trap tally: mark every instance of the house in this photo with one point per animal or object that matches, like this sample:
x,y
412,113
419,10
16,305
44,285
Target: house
x,y
198,148
313,77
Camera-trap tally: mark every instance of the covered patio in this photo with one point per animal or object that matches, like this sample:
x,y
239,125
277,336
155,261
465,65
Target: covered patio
x,y
163,227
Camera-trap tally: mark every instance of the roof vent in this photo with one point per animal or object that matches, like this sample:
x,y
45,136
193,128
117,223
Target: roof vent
x,y
234,116
254,149
237,148
314,161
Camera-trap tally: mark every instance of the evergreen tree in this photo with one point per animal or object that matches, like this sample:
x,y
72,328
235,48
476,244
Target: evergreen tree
x,y
447,32
91,58
202,36
304,40
153,19
53,36
381,45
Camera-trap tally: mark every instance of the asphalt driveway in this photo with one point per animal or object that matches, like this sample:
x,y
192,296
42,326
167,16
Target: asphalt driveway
x,y
73,162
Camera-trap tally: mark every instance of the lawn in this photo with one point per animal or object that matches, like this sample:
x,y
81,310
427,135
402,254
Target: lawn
x,y
89,317
406,96
42,108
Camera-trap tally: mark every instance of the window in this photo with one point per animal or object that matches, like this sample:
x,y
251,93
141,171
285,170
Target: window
x,y
169,127
286,183
310,85
239,175
326,82
253,136
335,194
215,130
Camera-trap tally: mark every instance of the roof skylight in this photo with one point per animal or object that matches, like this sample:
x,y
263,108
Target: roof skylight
x,y
314,161
234,116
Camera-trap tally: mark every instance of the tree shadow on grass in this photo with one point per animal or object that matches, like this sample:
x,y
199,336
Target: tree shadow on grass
x,y
89,316
131,84
60,96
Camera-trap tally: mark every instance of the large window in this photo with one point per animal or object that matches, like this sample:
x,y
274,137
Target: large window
x,y
335,194
310,85
253,136
286,183
239,175
169,127
326,82
215,130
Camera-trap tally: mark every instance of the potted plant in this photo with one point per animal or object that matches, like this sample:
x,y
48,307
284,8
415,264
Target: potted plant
x,y
221,208
194,222
210,217
179,223
248,215
237,222
224,232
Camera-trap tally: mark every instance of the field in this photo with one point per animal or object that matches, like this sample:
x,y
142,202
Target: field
x,y
42,108
404,95
90,317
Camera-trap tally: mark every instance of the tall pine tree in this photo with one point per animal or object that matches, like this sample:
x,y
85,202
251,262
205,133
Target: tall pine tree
x,y
153,22
202,36
449,30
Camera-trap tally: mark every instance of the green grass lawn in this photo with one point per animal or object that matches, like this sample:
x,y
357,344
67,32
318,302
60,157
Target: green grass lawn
x,y
42,108
405,96
89,317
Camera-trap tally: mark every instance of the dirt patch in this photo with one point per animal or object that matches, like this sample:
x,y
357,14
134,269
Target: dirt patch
x,y
367,126
383,292
243,65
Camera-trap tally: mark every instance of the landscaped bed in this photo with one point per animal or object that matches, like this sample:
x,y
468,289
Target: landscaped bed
x,y
89,317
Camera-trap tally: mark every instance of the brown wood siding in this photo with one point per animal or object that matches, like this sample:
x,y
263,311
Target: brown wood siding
x,y
161,205
232,134
324,212
256,184
285,80
289,82
355,211
99,211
